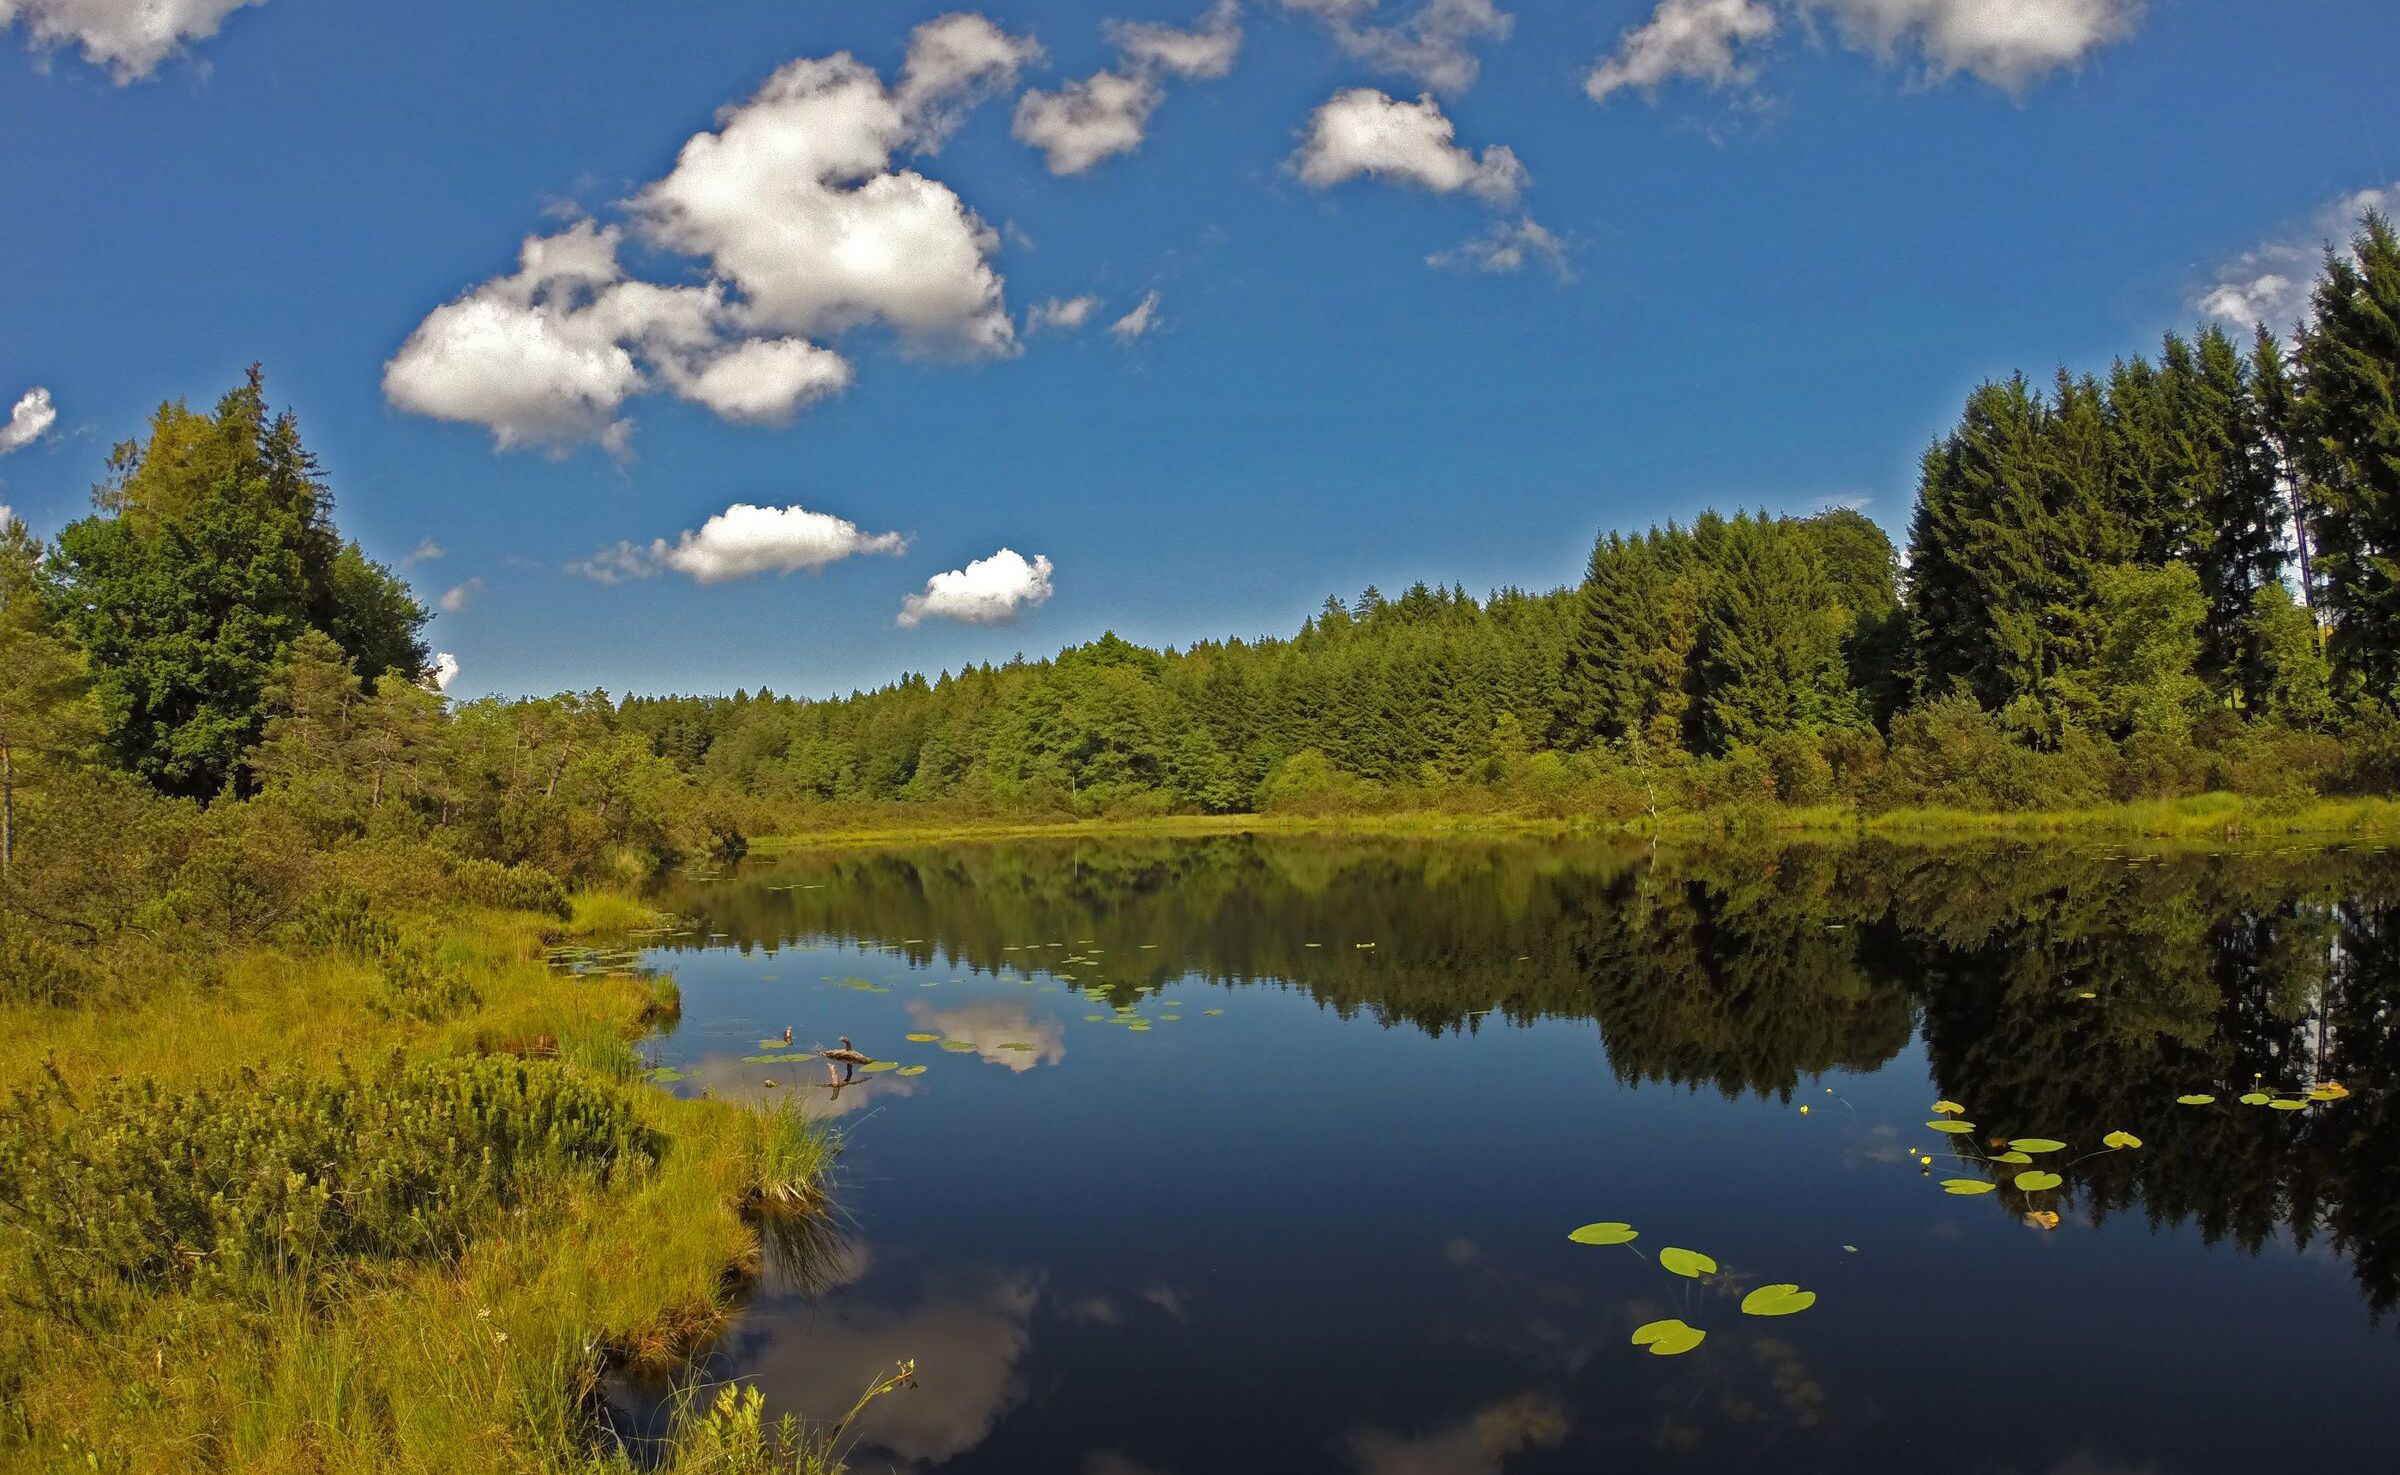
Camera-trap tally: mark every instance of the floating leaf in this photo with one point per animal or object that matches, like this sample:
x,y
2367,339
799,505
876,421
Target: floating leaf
x,y
920,1038
877,1067
662,1074
1608,1232
2330,1091
912,1070
2255,1098
1956,1128
2042,1219
1688,1263
1018,1045
2036,1181
1212,1013
2037,1144
2282,1105
1949,1108
1777,1300
1669,1338
2120,1140
2197,1098
956,1047
1965,1186
2011,1157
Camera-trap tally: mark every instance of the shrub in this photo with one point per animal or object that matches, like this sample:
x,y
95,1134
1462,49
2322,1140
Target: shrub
x,y
35,970
290,1176
417,985
522,887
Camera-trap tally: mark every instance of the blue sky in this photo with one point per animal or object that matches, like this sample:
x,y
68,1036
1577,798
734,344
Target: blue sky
x,y
1760,267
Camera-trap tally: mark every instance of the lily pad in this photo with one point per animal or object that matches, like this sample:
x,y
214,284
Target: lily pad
x,y
878,1067
1956,1128
2255,1098
1688,1263
2120,1140
662,1074
1019,1045
2036,1181
956,1047
2280,1104
1212,1013
2012,1157
2196,1098
920,1038
1965,1186
1949,1108
912,1070
1670,1338
2037,1144
1777,1300
1607,1232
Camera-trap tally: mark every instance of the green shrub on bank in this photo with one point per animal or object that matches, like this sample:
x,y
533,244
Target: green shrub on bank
x,y
288,1176
522,887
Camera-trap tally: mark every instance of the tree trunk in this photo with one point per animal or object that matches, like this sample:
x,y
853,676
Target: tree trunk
x,y
8,808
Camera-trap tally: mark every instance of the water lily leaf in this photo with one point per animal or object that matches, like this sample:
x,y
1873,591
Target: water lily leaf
x,y
1949,1108
662,1074
2036,1181
2012,1157
1212,1013
2120,1140
2197,1098
1950,1126
1017,1045
1607,1232
2255,1098
1669,1338
2282,1105
878,1067
1777,1300
2329,1091
920,1038
1094,1018
2037,1144
1169,1018
1688,1263
956,1047
912,1070
1965,1186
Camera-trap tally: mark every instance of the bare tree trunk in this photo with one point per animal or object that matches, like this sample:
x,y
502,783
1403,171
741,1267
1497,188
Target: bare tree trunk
x,y
564,754
8,808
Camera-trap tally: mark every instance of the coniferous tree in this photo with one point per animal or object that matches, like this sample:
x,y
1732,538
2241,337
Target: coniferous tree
x,y
2350,360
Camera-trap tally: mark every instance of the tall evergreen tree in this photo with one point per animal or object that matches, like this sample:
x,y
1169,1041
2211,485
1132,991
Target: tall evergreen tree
x,y
2350,361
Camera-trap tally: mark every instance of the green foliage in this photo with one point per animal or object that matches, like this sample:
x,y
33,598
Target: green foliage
x,y
290,1175
521,887
2350,414
2150,655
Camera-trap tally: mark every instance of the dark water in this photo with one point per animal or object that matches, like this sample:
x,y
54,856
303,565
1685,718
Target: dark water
x,y
1326,1229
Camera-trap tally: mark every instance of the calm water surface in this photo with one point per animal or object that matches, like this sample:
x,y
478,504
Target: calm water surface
x,y
1325,1229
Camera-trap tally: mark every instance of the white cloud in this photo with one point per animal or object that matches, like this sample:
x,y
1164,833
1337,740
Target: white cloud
x,y
458,597
2006,44
1143,319
445,670
1364,131
743,542
955,61
1083,122
766,381
1206,51
7,515
1505,247
129,37
1435,45
32,415
985,592
1064,313
1684,38
426,551
806,230
2271,283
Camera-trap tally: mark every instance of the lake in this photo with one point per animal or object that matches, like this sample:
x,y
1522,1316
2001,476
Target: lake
x,y
1263,1153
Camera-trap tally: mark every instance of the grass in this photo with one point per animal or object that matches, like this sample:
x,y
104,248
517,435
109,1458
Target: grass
x,y
485,1359
2215,817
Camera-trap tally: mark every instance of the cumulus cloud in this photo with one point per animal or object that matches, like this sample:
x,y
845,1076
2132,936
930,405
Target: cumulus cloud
x,y
445,670
742,542
129,37
2270,283
988,591
1684,38
1435,45
1107,113
1143,319
459,597
806,230
30,418
426,551
1505,247
1207,50
1064,313
1364,131
955,61
7,515
1086,121
2008,45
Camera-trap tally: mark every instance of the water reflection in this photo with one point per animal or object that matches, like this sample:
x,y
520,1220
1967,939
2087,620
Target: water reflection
x,y
1362,1240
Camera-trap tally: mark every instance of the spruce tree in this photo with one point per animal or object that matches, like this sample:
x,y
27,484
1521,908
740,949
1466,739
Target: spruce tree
x,y
2350,361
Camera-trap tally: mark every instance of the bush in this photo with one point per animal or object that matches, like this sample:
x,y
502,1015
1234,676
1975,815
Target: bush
x,y
289,1176
416,985
1308,782
523,887
2159,765
1797,763
34,970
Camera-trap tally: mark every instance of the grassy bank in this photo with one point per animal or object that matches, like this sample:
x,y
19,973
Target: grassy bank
x,y
269,1214
2208,818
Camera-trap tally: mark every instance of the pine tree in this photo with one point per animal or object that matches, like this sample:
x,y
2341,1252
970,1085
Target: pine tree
x,y
2350,361
2237,512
